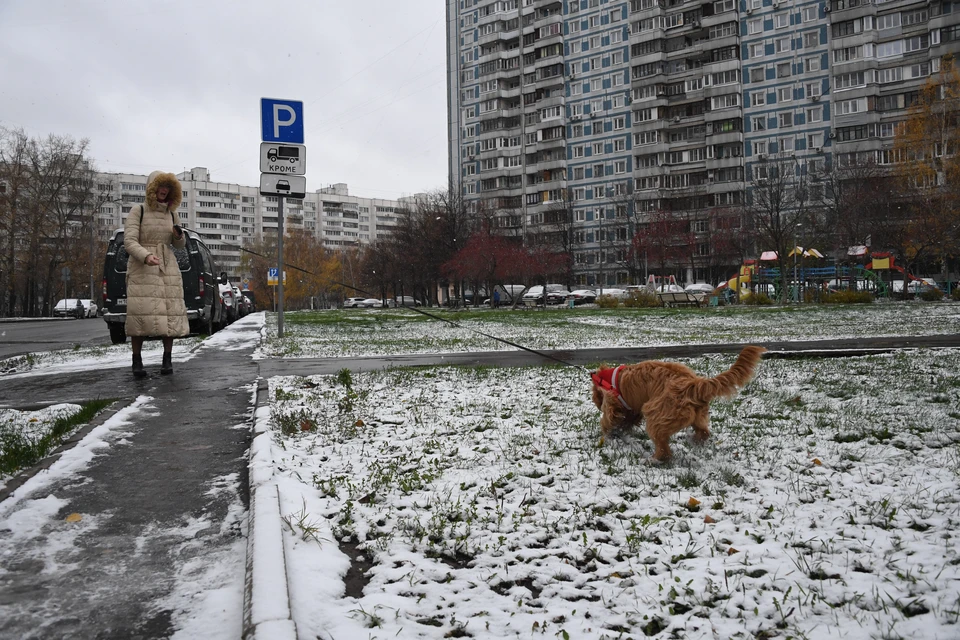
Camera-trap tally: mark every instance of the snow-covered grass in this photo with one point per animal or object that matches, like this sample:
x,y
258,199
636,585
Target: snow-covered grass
x,y
460,502
28,436
359,332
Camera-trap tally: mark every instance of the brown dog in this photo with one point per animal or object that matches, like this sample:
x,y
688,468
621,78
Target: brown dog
x,y
668,395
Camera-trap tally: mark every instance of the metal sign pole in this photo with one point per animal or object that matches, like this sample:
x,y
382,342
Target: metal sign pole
x,y
280,267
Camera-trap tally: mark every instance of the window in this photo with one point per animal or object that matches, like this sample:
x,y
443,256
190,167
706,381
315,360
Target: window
x,y
917,43
616,36
781,20
848,54
597,148
725,101
616,15
785,119
783,70
578,173
758,98
809,14
596,84
755,26
785,145
620,166
758,123
595,42
814,88
888,21
784,94
815,114
811,39
782,44
755,50
910,18
846,107
848,80
759,148
619,144
757,74
616,57
811,64
578,151
598,171
815,140
579,193
889,49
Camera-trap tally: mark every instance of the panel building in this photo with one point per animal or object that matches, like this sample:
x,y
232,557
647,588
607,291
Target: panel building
x,y
581,121
229,215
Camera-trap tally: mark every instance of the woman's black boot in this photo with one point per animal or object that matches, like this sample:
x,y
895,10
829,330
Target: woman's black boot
x,y
138,371
166,366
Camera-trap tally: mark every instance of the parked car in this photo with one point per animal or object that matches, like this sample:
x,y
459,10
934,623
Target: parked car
x,y
238,298
231,310
404,301
535,295
699,288
371,303
197,268
246,302
352,303
584,296
75,308
619,294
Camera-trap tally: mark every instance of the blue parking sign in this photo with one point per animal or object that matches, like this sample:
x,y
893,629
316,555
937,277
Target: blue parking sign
x,y
281,120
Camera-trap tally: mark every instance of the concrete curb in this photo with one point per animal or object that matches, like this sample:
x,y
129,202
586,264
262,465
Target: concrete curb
x,y
266,602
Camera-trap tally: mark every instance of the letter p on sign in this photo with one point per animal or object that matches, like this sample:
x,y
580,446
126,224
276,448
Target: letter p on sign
x,y
281,120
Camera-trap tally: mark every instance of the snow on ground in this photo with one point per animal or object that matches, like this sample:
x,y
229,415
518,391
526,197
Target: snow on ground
x,y
361,332
477,502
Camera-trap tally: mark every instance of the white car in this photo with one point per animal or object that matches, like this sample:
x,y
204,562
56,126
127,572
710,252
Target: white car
x,y
371,303
698,288
614,292
353,303
68,308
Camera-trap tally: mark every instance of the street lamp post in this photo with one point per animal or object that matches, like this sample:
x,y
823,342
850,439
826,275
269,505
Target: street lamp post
x,y
796,240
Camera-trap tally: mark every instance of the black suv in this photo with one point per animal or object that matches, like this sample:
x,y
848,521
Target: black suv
x,y
200,286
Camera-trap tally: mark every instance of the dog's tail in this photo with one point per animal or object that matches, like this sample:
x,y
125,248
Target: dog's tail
x,y
730,381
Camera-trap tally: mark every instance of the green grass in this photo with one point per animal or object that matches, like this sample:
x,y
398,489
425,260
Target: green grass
x,y
18,451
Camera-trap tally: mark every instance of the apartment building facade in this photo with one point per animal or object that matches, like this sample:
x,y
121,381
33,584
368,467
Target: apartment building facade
x,y
230,215
589,118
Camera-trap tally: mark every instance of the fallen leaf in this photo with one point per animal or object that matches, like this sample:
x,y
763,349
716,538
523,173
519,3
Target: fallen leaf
x,y
693,502
817,462
708,519
74,517
731,551
358,423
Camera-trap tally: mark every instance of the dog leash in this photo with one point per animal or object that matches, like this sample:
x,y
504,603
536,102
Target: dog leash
x,y
424,313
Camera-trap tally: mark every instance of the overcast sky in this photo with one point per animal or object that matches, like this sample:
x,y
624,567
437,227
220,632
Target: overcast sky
x,y
177,84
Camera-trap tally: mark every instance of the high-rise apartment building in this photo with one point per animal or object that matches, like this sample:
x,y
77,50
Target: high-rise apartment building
x,y
229,215
583,120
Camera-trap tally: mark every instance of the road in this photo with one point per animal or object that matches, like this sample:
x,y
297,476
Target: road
x,y
19,338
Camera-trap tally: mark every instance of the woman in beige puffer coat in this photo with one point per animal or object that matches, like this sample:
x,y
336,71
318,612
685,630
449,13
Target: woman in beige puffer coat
x,y
155,306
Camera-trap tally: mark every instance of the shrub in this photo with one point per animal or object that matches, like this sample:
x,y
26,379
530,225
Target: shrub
x,y
641,298
607,302
955,294
931,295
757,299
847,297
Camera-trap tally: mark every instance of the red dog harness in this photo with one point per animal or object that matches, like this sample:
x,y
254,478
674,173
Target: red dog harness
x,y
607,379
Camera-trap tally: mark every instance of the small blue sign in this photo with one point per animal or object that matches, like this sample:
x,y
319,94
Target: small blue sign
x,y
281,120
273,272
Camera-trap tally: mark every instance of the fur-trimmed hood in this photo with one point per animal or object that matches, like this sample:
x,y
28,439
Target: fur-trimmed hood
x,y
158,179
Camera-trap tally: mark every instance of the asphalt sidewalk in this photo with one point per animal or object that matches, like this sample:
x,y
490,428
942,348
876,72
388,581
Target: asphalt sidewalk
x,y
161,474
159,496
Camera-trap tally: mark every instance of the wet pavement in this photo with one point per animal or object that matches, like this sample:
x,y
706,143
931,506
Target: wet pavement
x,y
158,497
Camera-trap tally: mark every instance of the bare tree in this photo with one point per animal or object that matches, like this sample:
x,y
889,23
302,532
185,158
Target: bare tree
x,y
778,203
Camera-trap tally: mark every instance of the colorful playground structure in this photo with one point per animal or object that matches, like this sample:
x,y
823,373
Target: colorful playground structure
x,y
753,275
